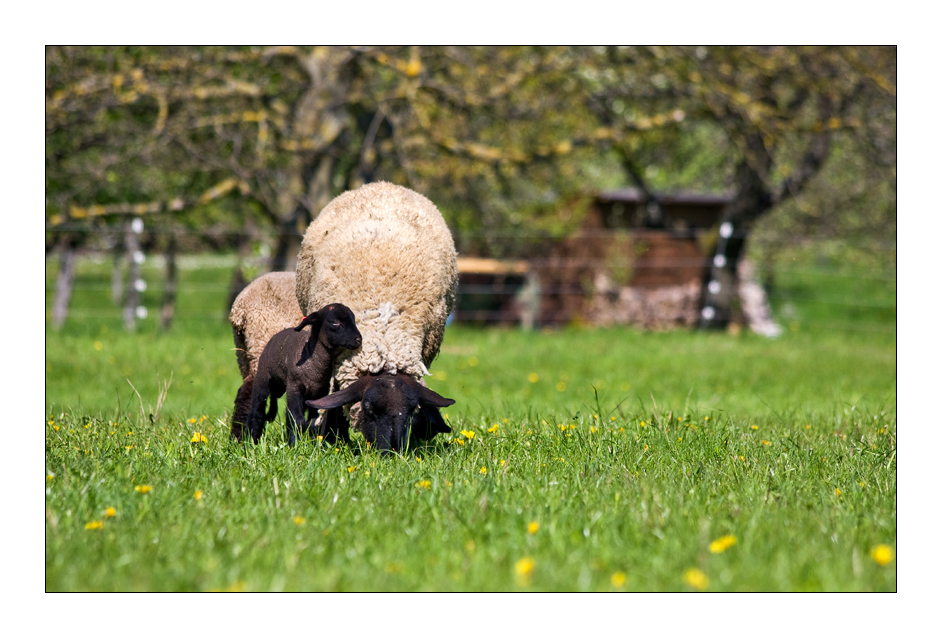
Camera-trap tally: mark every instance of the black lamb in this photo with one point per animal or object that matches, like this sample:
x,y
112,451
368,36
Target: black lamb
x,y
300,365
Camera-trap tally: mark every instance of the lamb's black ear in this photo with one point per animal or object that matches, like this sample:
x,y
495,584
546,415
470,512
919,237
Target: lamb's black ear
x,y
432,398
314,320
351,394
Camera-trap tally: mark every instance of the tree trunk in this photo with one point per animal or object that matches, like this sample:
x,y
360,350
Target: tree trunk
x,y
60,306
135,259
170,287
117,275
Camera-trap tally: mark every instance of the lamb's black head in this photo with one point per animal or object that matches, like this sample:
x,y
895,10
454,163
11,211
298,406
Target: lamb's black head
x,y
338,323
391,405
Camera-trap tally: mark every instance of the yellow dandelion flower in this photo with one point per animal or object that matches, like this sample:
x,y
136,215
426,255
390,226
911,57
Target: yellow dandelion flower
x,y
742,458
503,462
696,579
423,484
473,361
680,439
533,377
492,429
56,428
110,512
882,554
197,495
618,579
458,441
352,468
753,427
143,489
483,470
764,442
642,424
197,438
94,525
468,434
722,543
524,566
193,420
837,492
299,520
706,418
533,527
49,477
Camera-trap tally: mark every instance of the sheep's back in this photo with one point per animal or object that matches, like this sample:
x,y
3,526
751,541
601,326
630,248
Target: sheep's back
x,y
265,307
385,252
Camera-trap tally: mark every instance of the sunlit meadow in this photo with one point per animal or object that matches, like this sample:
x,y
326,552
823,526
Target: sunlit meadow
x,y
598,460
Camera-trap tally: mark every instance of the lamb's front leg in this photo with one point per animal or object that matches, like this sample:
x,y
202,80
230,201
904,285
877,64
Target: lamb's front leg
x,y
295,415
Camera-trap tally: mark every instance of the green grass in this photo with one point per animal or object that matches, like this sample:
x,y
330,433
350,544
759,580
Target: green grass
x,y
632,452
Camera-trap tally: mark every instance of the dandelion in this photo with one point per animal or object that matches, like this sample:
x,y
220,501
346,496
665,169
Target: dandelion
x,y
533,527
94,525
299,520
722,543
197,495
764,442
351,469
110,512
473,361
458,441
706,418
742,458
618,579
56,428
197,438
49,477
881,554
696,579
643,425
592,430
193,420
143,489
837,492
483,470
423,485
533,377
492,429
468,434
753,427
524,567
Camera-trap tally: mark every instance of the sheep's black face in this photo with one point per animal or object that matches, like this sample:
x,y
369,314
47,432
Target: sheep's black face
x,y
386,414
341,327
388,404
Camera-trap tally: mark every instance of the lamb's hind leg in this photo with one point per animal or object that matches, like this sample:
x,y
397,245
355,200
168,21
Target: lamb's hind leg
x,y
257,417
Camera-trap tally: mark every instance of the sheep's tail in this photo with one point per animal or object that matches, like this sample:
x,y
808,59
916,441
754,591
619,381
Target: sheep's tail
x,y
240,411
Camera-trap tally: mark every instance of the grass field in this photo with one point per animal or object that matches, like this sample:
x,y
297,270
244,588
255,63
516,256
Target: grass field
x,y
580,460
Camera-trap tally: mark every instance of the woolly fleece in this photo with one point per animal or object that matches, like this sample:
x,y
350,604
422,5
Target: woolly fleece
x,y
267,306
385,252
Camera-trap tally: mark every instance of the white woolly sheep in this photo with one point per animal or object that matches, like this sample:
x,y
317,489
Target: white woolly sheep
x,y
385,252
300,365
267,305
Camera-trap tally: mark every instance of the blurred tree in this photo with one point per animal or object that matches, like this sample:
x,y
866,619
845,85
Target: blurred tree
x,y
780,110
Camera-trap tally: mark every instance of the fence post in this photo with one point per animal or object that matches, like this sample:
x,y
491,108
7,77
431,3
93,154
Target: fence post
x,y
529,296
60,307
136,285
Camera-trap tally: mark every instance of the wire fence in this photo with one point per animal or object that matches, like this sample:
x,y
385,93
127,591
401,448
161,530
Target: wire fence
x,y
811,289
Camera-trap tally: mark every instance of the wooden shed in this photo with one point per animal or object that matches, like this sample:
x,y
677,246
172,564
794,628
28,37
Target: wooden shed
x,y
632,261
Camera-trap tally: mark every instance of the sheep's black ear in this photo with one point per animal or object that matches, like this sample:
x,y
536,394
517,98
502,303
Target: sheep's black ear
x,y
432,398
314,320
435,424
351,394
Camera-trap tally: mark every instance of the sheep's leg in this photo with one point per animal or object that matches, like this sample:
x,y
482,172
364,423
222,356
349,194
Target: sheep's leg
x,y
294,415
